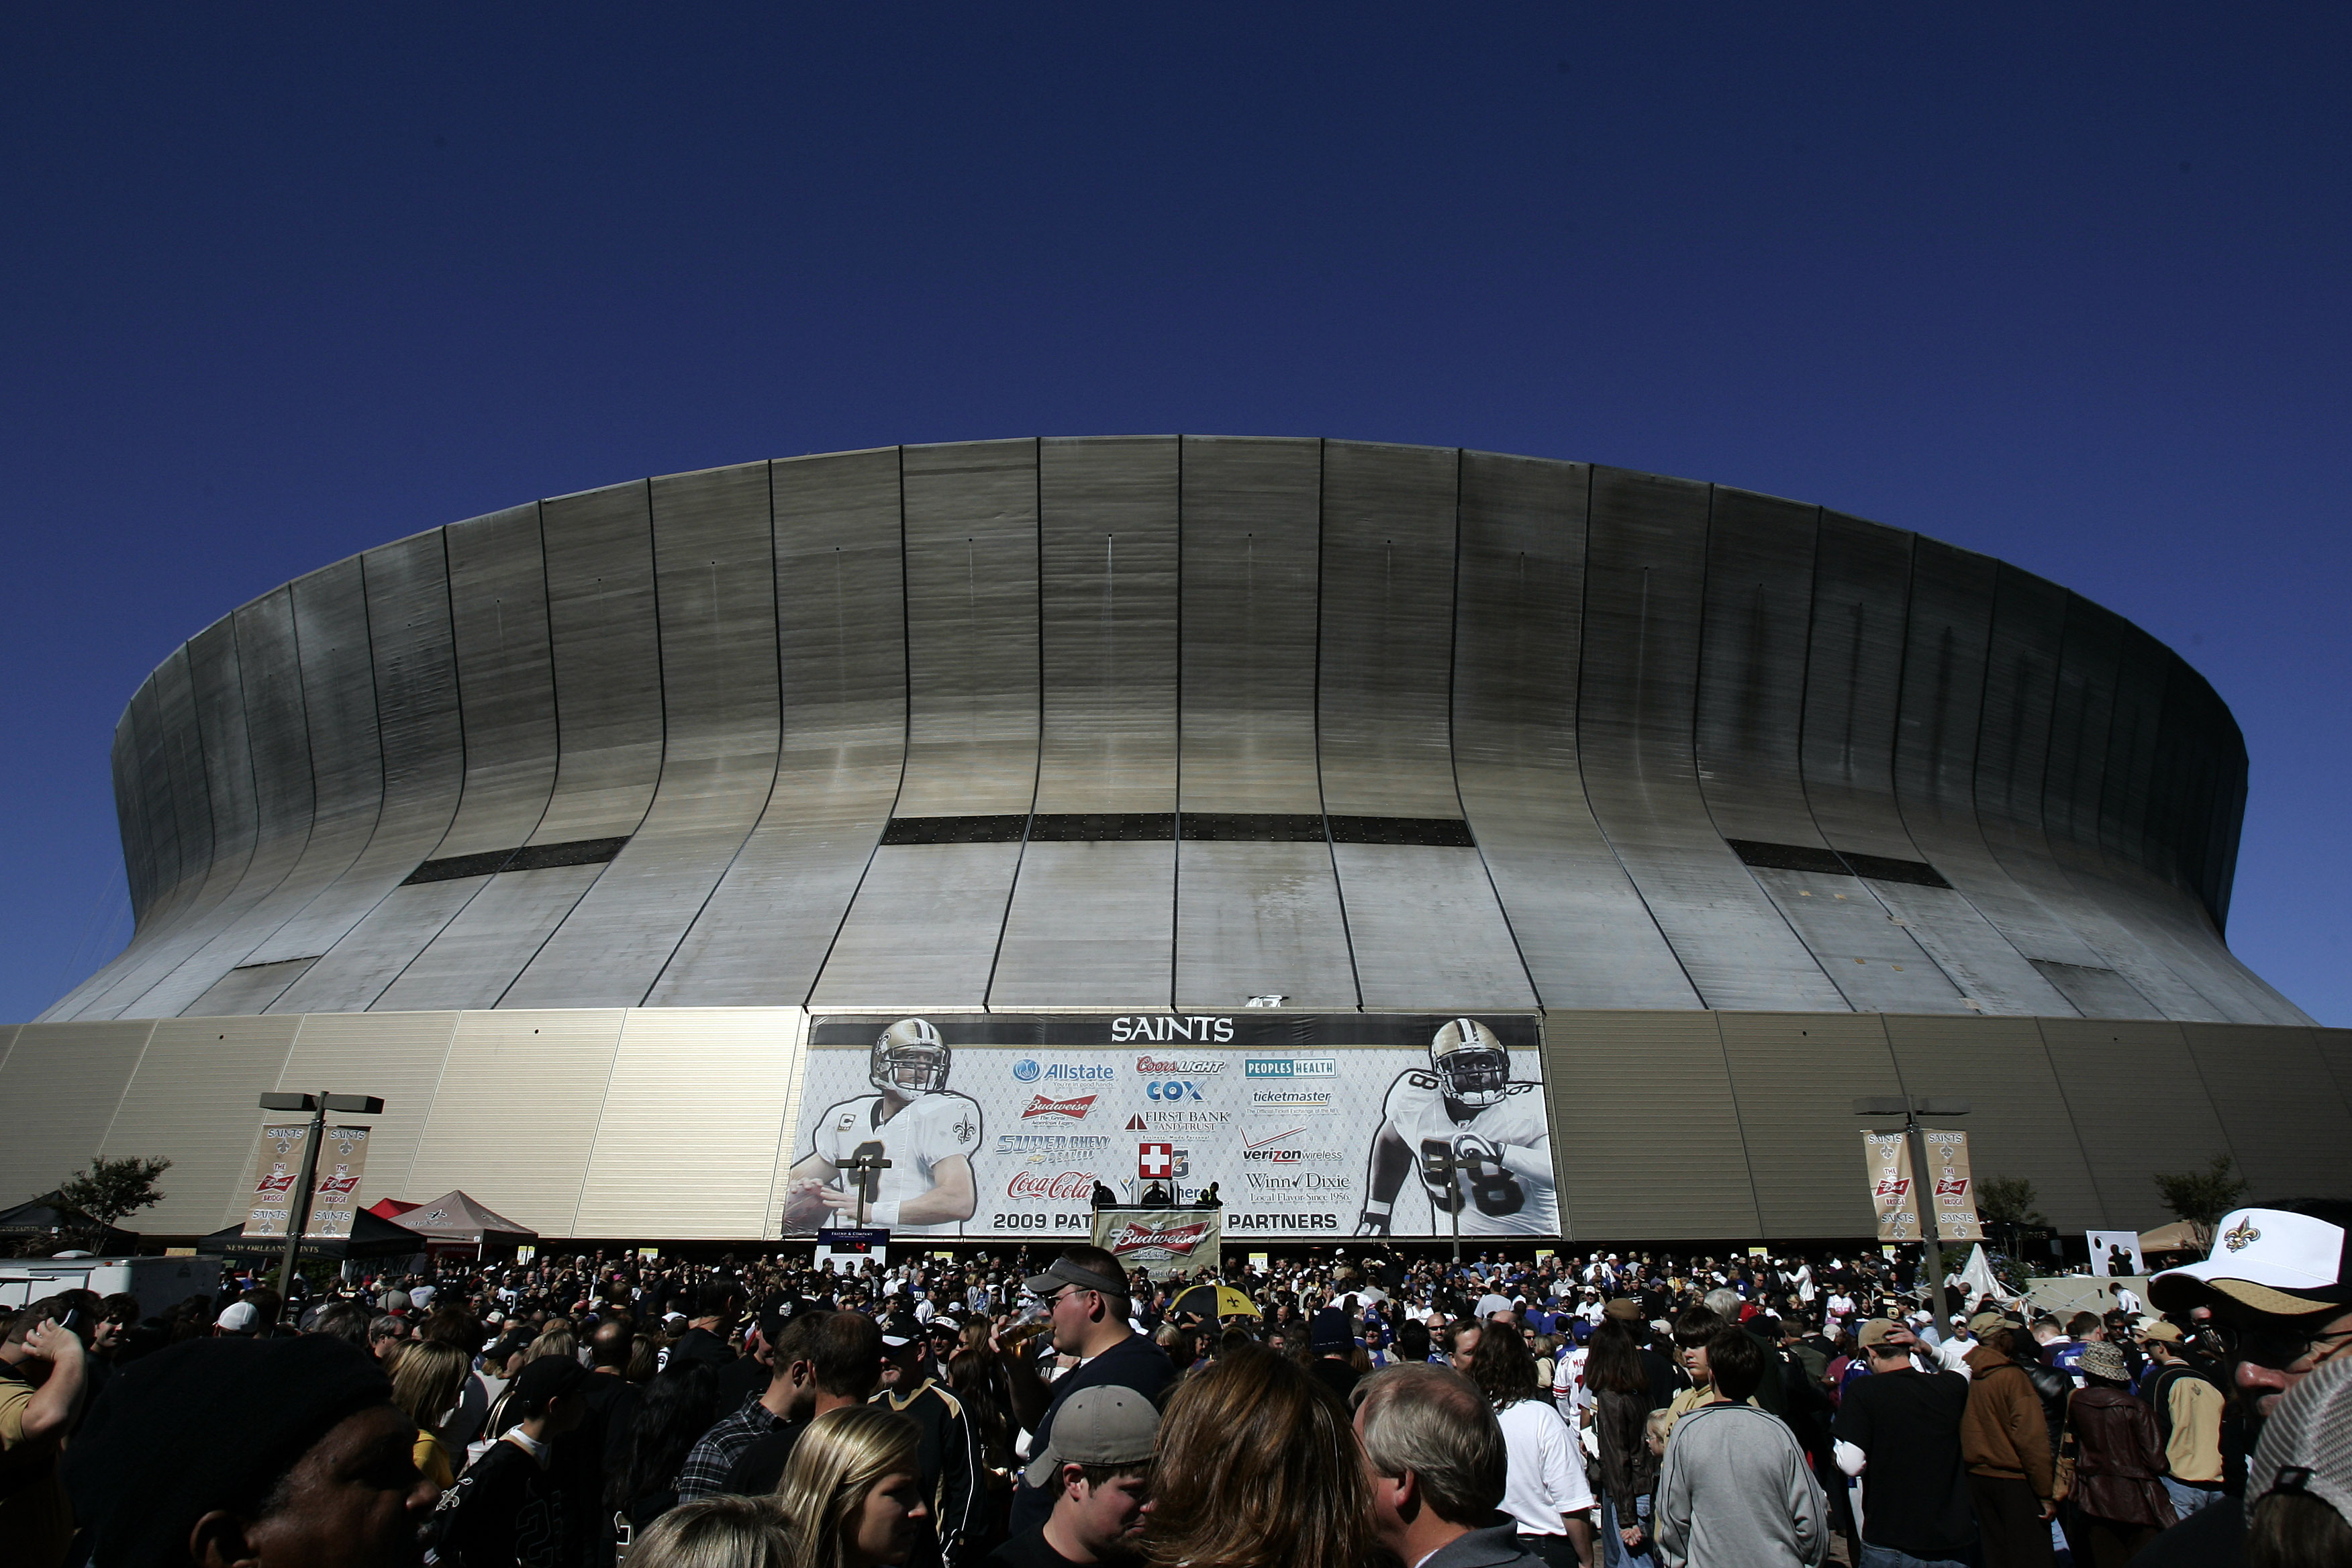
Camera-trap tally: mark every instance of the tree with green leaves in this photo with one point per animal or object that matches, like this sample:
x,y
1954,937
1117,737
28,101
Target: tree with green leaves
x,y
2007,1200
112,1190
2203,1196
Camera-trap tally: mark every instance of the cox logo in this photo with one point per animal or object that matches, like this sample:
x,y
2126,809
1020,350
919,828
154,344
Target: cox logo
x,y
1171,1091
1025,1070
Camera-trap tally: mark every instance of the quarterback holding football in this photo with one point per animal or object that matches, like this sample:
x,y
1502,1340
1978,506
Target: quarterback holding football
x,y
925,1132
1466,1107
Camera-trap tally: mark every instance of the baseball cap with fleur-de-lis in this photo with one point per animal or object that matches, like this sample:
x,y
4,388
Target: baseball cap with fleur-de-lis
x,y
2289,1261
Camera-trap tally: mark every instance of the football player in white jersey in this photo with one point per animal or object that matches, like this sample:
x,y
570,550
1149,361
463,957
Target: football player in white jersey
x,y
925,1132
1466,1106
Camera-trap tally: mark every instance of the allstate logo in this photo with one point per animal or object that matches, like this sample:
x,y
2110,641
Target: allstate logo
x,y
1025,1070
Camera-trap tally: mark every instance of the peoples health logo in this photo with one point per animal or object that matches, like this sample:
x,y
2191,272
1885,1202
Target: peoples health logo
x,y
1291,1066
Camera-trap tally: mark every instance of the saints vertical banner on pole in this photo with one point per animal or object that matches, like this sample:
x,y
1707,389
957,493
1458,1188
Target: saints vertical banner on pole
x,y
1161,1241
276,1171
1947,1177
334,1197
1894,1195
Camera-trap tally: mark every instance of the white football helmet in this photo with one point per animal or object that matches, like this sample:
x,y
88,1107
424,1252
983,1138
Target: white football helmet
x,y
1470,1062
909,1058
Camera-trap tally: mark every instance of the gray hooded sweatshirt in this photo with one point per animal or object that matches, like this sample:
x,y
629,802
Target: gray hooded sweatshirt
x,y
1736,1492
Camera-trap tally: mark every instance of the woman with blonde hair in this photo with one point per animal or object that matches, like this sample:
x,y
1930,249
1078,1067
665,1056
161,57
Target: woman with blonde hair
x,y
721,1531
425,1385
852,1490
1258,1468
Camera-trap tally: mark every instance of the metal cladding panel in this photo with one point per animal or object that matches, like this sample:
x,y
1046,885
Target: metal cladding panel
x,y
1854,676
1806,1153
505,679
1874,960
421,746
2128,1137
481,950
1585,936
74,1074
141,815
608,663
1604,1069
1751,676
514,1119
1108,531
712,543
1965,946
923,930
1425,930
355,971
663,1072
2287,1118
1255,920
397,1056
1252,511
840,617
193,1096
2021,1125
1643,569
2334,1047
971,629
1385,653
7,1044
1092,925
247,988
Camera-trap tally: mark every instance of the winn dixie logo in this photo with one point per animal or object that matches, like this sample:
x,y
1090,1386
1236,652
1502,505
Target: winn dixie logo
x,y
1070,1187
1291,1066
1137,1240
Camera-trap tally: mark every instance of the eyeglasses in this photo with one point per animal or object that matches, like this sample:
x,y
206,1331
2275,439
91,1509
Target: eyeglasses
x,y
1066,1291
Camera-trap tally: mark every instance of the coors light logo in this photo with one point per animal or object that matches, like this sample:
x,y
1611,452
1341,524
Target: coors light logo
x,y
1070,1187
1135,1240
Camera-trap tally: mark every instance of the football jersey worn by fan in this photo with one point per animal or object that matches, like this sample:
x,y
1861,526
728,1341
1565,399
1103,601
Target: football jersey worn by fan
x,y
1494,1201
932,1128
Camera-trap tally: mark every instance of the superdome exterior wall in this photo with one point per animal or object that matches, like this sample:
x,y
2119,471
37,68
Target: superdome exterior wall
x,y
1154,722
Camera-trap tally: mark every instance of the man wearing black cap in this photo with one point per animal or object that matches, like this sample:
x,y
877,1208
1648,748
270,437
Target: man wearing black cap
x,y
1333,1347
949,1452
1086,1291
2278,1287
252,1453
515,1506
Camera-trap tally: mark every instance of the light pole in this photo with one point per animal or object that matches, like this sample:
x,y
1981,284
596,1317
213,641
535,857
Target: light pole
x,y
1931,1236
299,1220
870,1168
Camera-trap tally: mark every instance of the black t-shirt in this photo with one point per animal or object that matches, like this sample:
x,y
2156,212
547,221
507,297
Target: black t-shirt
x,y
1336,1375
1915,1491
2209,1537
1028,1549
1134,1363
759,1468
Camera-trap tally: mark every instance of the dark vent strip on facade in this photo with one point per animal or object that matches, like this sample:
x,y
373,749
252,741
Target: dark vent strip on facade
x,y
1251,827
1836,863
1228,827
529,857
1437,832
1004,829
1101,826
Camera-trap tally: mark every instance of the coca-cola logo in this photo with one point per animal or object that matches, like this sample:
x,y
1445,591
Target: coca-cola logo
x,y
1076,1110
1070,1187
1133,1237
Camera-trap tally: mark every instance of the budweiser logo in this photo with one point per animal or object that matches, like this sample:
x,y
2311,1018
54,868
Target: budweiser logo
x,y
1135,1238
1070,1187
1953,1187
1076,1110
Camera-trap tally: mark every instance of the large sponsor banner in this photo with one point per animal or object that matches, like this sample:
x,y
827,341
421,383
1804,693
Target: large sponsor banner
x,y
1955,1190
1893,1193
1161,1242
1306,1124
278,1171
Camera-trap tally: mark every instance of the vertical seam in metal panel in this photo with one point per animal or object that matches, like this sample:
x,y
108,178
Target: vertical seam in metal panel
x,y
1339,886
795,1091
906,723
1731,1080
1452,763
604,1104
2058,1080
440,1075
124,1092
2205,1089
775,614
1176,845
1584,622
1037,761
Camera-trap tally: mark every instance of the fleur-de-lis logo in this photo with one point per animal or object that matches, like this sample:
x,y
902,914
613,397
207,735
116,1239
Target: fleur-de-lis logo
x,y
2241,1235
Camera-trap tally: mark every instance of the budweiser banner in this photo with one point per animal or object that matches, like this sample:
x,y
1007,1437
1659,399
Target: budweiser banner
x,y
1956,1196
1893,1193
278,1171
1161,1242
1004,1125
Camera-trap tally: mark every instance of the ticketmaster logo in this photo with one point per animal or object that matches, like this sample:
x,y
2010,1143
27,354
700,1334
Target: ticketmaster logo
x,y
1291,1066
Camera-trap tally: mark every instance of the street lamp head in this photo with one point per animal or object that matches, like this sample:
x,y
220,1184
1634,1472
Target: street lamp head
x,y
290,1103
1882,1105
355,1104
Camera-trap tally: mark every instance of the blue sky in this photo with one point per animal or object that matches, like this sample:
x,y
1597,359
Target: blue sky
x,y
2064,284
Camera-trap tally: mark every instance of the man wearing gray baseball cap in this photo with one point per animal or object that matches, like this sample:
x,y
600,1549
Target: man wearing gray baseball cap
x,y
1096,1470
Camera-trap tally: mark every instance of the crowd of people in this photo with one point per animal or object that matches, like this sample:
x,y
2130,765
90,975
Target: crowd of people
x,y
1036,1410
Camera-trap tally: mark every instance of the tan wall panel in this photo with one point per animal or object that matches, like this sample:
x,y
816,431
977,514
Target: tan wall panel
x,y
194,1100
796,1078
2020,1126
397,1058
7,1044
1796,1075
1645,1134
2336,1050
2139,1107
687,1148
2284,1112
516,1114
61,1084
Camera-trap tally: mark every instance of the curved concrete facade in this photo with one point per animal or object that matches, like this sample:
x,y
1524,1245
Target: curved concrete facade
x,y
1161,721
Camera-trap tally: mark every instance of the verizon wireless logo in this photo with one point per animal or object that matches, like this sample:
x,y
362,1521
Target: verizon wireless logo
x,y
1076,1110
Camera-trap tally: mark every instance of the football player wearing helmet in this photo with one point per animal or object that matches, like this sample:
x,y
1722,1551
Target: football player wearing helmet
x,y
925,1132
1466,1110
